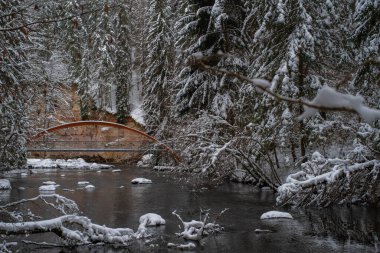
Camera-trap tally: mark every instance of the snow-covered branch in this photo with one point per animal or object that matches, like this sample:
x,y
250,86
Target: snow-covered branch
x,y
317,184
60,203
327,99
63,227
195,230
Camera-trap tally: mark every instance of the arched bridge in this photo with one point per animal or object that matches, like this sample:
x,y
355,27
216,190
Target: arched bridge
x,y
94,137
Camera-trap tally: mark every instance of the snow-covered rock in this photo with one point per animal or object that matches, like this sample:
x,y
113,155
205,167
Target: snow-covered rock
x,y
48,188
188,246
276,215
65,164
89,187
49,183
117,170
141,180
148,220
152,219
5,184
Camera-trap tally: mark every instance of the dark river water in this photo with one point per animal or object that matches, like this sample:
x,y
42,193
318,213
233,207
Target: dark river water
x,y
115,202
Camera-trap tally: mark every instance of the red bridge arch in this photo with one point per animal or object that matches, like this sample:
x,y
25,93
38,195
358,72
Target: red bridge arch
x,y
108,124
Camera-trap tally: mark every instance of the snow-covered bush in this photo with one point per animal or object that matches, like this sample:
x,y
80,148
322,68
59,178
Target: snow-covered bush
x,y
322,181
214,150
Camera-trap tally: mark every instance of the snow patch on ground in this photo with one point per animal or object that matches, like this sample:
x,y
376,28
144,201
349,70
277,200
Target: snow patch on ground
x,y
89,187
65,164
146,160
5,184
138,115
276,215
141,180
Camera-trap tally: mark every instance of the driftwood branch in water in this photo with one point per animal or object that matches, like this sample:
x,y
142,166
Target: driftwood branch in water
x,y
61,226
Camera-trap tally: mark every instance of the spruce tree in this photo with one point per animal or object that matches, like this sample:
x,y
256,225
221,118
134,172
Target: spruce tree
x,y
209,30
159,64
367,50
13,87
123,75
294,44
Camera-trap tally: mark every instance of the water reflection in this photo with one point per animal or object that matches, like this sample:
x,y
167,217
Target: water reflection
x,y
334,229
5,196
348,224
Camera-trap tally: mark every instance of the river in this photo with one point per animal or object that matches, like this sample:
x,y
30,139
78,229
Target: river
x,y
115,202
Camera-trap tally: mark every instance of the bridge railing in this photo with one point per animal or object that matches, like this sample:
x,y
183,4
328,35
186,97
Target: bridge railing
x,y
88,146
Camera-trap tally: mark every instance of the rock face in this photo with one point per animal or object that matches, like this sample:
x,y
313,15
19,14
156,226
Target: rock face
x,y
5,184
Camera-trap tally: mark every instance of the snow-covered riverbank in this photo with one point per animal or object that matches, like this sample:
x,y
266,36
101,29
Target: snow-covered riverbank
x,y
44,165
69,164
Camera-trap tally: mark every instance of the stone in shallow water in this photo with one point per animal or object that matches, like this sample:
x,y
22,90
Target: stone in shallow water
x,y
5,184
49,183
262,231
276,215
89,187
48,188
141,180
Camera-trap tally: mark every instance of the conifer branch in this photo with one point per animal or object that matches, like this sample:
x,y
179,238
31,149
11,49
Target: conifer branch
x,y
52,20
200,64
